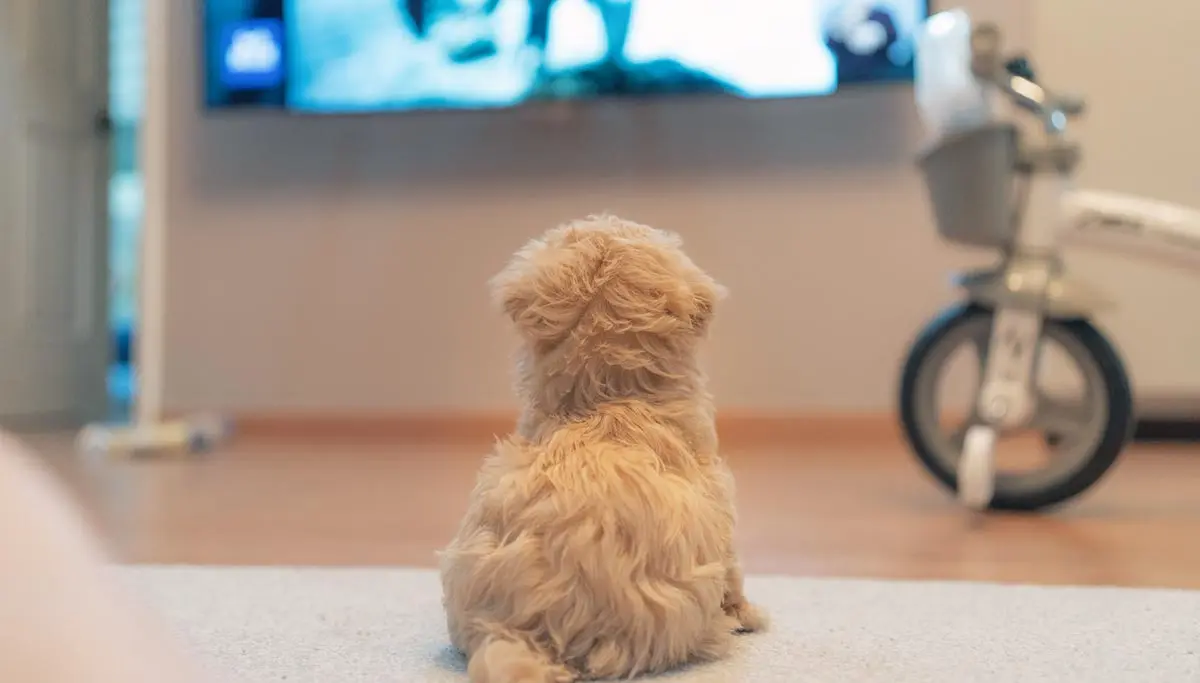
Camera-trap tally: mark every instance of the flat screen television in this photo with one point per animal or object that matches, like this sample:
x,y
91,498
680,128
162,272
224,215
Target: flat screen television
x,y
347,56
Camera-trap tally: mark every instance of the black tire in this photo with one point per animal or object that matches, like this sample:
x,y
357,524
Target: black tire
x,y
1118,428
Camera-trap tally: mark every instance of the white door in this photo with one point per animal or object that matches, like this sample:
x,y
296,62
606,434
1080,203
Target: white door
x,y
53,222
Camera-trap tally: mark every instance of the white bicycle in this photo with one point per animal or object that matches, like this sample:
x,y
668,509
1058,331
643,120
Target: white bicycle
x,y
983,174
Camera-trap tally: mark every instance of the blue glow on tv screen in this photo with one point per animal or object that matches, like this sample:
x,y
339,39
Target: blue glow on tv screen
x,y
345,56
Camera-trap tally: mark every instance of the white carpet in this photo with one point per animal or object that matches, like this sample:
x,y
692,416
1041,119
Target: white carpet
x,y
383,626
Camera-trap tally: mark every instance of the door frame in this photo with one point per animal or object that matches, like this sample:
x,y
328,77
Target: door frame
x,y
95,400
92,399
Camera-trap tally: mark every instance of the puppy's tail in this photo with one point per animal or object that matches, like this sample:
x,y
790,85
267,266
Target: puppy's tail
x,y
504,660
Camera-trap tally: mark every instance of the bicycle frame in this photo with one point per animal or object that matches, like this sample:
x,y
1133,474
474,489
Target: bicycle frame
x,y
1064,216
963,71
1126,223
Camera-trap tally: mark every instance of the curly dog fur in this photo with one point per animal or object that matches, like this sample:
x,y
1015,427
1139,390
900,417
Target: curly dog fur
x,y
599,538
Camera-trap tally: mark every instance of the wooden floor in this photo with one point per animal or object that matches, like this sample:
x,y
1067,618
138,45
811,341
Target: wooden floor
x,y
850,511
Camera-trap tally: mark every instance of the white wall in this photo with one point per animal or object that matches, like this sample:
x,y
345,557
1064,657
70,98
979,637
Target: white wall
x,y
338,264
1137,66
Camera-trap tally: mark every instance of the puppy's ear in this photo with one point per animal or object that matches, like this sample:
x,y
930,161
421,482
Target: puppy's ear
x,y
705,293
547,285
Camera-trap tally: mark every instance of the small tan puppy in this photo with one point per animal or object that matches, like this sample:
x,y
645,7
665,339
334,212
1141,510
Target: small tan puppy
x,y
599,538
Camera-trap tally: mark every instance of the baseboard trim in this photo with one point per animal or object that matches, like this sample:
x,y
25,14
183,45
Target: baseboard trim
x,y
758,429
1168,417
1164,430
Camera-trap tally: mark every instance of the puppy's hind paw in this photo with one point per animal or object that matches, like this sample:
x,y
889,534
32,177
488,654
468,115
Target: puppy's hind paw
x,y
750,617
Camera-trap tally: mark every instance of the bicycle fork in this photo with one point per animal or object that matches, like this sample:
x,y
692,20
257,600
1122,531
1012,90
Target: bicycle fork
x,y
1006,399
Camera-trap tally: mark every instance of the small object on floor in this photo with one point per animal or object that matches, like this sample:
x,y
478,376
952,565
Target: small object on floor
x,y
179,437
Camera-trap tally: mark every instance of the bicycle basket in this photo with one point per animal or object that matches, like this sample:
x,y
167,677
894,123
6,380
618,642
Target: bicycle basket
x,y
969,177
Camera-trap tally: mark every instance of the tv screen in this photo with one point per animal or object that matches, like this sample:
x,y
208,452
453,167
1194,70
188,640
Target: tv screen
x,y
343,56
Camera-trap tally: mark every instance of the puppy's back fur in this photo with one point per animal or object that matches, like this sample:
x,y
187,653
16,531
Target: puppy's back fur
x,y
598,540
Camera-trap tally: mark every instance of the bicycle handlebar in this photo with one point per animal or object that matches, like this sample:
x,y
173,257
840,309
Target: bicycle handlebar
x,y
988,65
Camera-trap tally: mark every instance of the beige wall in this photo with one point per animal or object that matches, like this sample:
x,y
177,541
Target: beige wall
x,y
1135,63
338,264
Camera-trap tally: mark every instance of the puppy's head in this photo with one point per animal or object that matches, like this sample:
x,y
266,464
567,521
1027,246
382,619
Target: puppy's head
x,y
607,292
